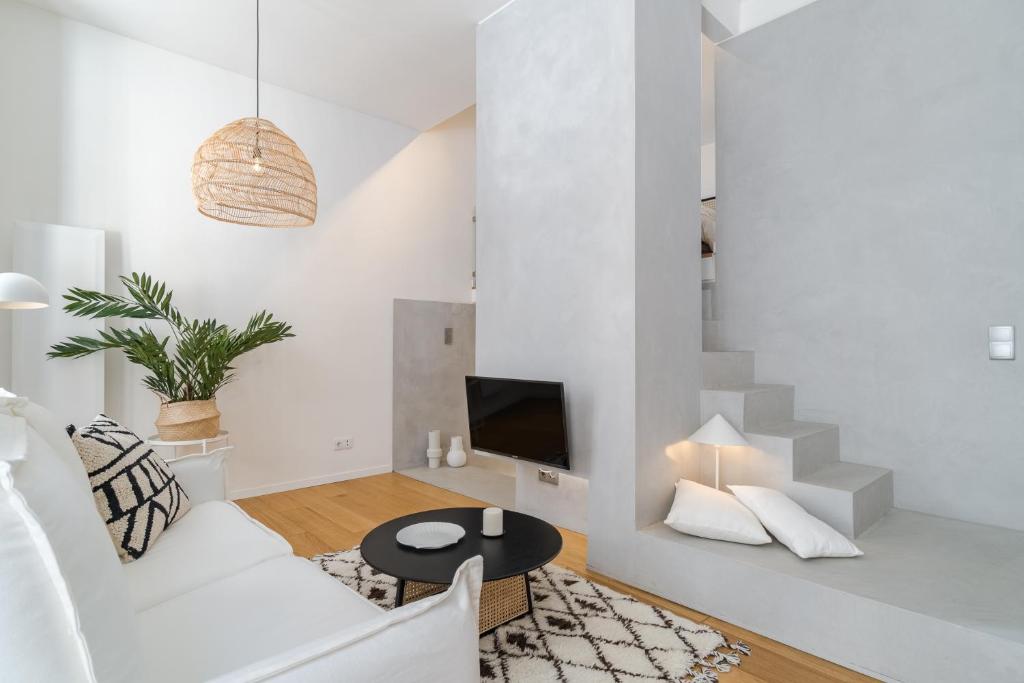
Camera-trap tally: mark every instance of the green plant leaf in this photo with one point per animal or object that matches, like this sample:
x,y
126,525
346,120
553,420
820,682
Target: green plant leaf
x,y
199,364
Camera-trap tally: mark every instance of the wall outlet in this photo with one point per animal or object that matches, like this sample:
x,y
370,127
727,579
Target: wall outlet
x,y
343,443
547,476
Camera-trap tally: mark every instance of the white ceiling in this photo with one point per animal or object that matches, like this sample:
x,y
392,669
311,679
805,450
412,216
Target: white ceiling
x,y
411,61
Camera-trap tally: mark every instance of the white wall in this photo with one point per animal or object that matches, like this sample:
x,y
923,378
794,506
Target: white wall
x,y
394,220
707,90
707,117
870,166
707,171
63,257
29,149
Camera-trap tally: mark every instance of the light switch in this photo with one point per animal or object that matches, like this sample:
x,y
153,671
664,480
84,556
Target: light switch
x,y
1002,333
1001,342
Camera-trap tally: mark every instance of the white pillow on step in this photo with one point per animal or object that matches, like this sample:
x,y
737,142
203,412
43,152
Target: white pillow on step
x,y
798,530
700,510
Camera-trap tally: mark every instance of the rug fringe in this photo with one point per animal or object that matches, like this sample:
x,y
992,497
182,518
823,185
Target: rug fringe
x,y
722,660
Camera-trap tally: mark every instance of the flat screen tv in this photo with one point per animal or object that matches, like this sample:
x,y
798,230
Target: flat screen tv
x,y
522,419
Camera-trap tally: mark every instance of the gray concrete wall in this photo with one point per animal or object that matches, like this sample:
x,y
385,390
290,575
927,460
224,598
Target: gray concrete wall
x,y
429,376
555,240
668,281
579,267
871,227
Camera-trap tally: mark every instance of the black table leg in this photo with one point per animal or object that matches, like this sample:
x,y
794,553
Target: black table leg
x,y
400,593
529,593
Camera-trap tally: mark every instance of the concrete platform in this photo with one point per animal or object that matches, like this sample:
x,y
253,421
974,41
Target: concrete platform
x,y
488,485
932,599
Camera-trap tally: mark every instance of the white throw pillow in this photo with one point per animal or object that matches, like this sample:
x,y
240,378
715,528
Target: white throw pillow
x,y
801,532
700,510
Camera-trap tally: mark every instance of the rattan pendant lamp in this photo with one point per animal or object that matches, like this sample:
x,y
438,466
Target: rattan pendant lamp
x,y
249,172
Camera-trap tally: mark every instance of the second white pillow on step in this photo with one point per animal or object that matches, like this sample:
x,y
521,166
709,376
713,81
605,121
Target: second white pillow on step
x,y
798,530
700,510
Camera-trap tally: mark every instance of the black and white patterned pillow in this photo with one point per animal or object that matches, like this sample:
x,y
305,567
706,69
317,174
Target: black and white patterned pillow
x,y
136,493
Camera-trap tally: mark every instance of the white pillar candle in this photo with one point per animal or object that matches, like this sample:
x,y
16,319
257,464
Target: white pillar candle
x,y
493,524
434,438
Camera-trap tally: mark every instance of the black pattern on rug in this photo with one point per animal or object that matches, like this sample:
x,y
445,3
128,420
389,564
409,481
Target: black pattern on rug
x,y
579,631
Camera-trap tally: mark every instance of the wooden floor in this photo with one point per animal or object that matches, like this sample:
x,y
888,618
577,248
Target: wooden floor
x,y
337,516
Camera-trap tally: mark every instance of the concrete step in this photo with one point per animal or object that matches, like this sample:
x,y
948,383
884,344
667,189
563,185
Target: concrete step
x,y
847,496
805,447
726,368
748,406
799,458
933,587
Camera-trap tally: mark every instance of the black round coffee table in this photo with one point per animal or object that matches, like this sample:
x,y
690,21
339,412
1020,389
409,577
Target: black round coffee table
x,y
528,543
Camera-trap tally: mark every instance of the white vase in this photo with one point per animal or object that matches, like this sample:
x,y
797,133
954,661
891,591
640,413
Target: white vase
x,y
456,454
434,458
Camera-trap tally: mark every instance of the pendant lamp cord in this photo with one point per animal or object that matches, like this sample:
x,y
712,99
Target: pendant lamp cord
x,y
257,58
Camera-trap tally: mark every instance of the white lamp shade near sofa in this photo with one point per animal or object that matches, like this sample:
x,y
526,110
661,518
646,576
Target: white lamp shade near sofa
x,y
718,432
21,291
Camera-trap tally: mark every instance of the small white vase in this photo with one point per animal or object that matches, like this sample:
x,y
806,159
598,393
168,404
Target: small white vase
x,y
456,455
434,458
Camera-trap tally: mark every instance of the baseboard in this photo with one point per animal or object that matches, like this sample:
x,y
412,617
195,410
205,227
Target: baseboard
x,y
237,494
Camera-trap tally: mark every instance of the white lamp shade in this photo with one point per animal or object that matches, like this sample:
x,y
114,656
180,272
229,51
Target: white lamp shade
x,y
718,432
21,291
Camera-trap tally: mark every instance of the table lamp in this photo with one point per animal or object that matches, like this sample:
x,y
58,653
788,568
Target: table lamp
x,y
718,432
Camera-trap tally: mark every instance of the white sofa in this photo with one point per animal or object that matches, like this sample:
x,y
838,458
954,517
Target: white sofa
x,y
218,596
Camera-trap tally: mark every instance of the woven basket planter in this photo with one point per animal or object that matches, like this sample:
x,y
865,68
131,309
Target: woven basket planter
x,y
188,420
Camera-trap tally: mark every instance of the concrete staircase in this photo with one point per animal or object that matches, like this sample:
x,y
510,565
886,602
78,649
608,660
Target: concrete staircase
x,y
799,458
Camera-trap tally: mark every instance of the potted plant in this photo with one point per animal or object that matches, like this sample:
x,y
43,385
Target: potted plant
x,y
186,376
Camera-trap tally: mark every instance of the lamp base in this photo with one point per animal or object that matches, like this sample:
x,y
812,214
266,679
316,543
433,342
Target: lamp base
x,y
717,468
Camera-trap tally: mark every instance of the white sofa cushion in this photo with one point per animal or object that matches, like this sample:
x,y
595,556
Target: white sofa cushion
x,y
700,510
430,640
804,534
56,555
262,611
214,540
